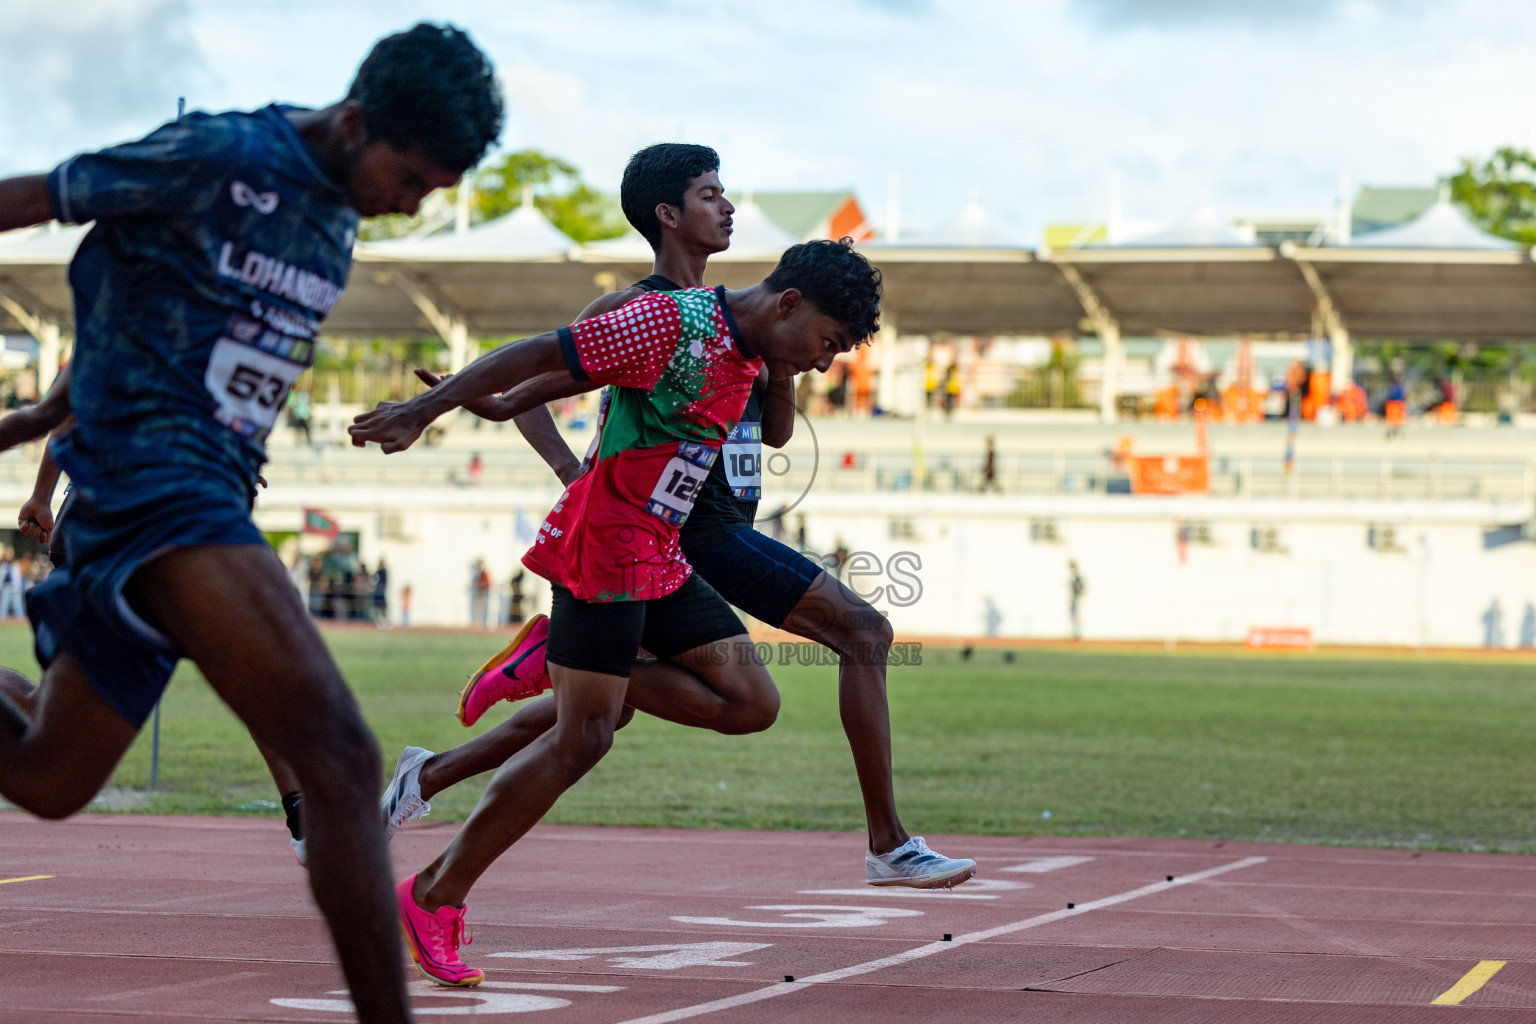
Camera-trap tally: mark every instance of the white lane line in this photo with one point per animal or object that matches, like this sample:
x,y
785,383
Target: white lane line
x,y
1040,865
178,986
799,984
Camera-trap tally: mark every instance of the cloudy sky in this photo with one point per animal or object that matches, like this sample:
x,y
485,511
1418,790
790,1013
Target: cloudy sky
x,y
1036,104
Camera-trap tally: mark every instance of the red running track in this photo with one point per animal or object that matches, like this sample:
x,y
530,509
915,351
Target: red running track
x,y
198,919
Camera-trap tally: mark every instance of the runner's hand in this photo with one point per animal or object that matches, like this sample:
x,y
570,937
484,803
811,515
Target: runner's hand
x,y
486,408
36,520
394,425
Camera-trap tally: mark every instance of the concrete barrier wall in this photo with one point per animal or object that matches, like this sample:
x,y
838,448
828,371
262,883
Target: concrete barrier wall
x,y
1449,573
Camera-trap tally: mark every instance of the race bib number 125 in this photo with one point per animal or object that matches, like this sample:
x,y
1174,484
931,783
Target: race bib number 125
x,y
678,487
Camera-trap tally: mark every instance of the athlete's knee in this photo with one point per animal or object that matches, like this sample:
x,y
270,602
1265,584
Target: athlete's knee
x,y
757,713
860,635
344,762
580,745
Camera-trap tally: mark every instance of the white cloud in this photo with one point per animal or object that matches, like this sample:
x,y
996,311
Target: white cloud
x,y
1034,102
91,72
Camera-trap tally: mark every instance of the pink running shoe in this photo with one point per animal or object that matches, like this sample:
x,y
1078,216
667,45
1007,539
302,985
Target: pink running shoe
x,y
515,672
433,940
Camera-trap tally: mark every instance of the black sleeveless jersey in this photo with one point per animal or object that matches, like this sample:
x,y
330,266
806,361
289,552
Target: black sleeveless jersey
x,y
728,500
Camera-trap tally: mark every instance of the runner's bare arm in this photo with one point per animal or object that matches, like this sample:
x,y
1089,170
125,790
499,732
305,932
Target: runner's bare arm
x,y
24,201
537,425
397,425
36,515
34,421
779,406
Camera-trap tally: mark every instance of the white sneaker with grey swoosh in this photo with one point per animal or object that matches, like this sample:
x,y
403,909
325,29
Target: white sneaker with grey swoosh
x,y
402,800
913,864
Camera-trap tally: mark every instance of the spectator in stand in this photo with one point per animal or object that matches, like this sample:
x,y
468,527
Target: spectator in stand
x,y
1076,588
930,381
951,388
362,594
838,558
300,415
479,594
381,594
476,468
1395,409
989,466
405,606
12,587
317,589
515,598
776,528
837,391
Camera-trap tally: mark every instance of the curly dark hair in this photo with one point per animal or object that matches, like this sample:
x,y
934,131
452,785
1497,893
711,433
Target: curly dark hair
x,y
835,279
660,174
430,88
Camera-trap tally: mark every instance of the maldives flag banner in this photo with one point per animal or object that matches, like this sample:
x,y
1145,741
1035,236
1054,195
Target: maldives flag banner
x,y
316,521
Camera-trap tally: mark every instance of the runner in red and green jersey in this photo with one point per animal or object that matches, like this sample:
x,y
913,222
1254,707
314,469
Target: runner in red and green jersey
x,y
682,379
682,365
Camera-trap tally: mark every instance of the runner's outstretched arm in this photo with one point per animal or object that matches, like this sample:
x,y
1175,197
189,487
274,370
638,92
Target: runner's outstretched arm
x,y
397,425
24,201
33,421
36,515
537,425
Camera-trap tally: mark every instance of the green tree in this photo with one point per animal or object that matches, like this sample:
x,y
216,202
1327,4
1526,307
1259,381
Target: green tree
x,y
571,204
1500,193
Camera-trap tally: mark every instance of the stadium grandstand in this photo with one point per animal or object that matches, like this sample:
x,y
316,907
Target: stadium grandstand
x,y
1204,414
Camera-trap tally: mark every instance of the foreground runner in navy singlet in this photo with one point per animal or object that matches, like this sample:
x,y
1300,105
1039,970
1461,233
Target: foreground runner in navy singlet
x,y
220,243
52,417
672,195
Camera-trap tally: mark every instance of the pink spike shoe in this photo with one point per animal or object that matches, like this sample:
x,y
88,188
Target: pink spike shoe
x,y
433,939
515,672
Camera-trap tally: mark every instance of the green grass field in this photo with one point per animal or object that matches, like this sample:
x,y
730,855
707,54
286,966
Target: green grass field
x,y
1317,748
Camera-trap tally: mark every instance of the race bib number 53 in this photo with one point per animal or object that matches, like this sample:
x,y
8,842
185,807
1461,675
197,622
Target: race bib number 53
x,y
248,386
678,487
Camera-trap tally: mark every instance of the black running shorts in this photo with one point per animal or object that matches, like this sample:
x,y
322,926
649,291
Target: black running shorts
x,y
605,636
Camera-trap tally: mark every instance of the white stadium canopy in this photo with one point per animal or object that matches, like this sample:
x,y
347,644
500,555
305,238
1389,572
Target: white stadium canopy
x,y
1437,277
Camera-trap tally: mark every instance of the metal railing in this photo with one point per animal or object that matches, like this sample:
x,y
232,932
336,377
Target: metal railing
x,y
1390,476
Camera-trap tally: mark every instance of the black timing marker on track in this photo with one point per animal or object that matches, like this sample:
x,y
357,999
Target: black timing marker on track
x,y
1071,906
789,977
1170,878
948,937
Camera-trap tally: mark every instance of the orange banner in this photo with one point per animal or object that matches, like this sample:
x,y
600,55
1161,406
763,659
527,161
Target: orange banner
x,y
1290,637
1169,474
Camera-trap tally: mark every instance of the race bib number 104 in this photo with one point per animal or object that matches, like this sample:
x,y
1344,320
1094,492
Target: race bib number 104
x,y
743,454
678,487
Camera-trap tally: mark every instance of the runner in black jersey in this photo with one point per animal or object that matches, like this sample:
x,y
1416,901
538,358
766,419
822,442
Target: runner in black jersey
x,y
672,195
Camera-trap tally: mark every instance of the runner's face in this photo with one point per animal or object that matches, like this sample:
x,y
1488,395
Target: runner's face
x,y
705,219
805,337
385,180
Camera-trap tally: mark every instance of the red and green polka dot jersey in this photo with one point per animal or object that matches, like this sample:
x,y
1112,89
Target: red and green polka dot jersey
x,y
678,374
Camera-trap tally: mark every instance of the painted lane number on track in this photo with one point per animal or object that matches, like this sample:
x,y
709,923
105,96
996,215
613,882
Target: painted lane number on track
x,y
813,915
486,998
661,958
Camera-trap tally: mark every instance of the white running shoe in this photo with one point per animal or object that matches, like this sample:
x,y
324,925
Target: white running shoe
x,y
913,864
402,800
300,852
